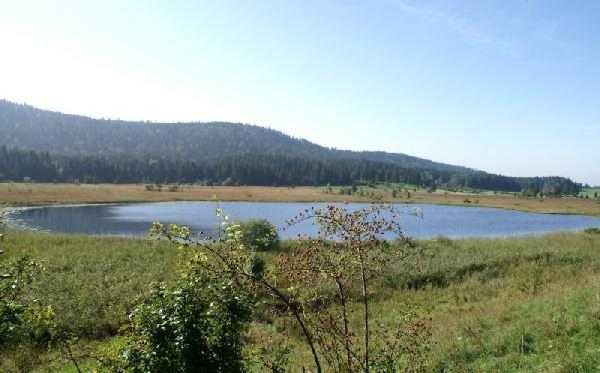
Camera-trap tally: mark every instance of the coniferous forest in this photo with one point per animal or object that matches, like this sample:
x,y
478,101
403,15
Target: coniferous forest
x,y
260,170
45,146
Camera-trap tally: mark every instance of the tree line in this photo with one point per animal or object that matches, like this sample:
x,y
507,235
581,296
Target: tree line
x,y
26,127
259,170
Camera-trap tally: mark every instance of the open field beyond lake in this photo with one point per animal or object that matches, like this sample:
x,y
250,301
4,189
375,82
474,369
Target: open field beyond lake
x,y
590,192
509,305
35,194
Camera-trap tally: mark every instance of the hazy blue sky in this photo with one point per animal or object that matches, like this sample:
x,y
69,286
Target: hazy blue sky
x,y
511,87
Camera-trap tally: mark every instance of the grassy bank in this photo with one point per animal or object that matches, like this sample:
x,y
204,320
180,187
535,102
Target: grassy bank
x,y
31,194
590,192
520,304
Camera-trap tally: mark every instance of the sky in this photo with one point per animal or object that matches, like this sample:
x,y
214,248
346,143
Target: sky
x,y
510,87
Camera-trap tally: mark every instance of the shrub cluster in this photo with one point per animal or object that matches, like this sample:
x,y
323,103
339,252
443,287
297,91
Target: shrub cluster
x,y
195,326
259,234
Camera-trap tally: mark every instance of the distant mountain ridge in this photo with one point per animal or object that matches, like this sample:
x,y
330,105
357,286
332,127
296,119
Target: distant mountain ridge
x,y
43,145
26,127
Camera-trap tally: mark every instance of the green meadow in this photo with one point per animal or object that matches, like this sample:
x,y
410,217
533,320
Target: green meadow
x,y
515,304
590,192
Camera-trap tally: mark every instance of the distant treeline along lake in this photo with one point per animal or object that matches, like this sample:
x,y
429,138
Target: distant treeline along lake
x,y
44,146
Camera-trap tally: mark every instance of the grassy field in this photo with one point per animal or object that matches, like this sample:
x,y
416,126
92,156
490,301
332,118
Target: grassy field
x,y
591,192
496,305
31,194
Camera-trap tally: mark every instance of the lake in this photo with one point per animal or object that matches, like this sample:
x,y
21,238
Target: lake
x,y
134,219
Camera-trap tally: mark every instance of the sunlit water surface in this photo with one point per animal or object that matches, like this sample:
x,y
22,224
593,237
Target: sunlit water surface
x,y
430,221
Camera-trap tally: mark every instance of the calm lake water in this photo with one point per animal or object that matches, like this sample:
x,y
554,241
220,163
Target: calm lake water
x,y
135,219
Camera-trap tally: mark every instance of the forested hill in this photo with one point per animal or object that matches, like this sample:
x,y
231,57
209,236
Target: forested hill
x,y
26,127
47,146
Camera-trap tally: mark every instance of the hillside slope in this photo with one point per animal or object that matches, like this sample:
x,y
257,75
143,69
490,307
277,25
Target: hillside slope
x,y
42,145
26,127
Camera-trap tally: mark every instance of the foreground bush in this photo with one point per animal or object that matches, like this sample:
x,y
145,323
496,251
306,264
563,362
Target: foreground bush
x,y
323,287
196,326
22,319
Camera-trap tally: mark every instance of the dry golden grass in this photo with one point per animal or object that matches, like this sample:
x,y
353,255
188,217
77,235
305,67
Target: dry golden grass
x,y
566,205
28,194
32,194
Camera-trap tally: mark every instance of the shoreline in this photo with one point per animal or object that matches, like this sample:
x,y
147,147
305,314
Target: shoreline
x,y
8,209
10,218
16,195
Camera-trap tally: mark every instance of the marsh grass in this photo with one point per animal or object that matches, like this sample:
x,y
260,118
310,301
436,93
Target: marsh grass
x,y
517,304
92,283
